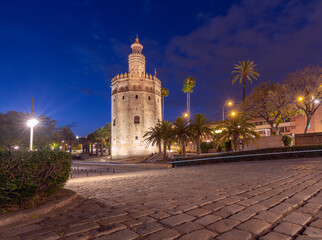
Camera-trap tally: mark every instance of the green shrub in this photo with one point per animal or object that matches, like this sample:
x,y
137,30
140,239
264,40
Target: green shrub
x,y
24,175
205,146
287,140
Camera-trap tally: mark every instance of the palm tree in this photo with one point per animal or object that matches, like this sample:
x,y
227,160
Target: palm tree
x,y
242,71
164,93
235,128
103,133
198,127
180,133
166,136
188,85
91,139
154,137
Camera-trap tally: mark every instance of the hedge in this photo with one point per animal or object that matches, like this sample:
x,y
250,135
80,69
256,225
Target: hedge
x,y
252,158
24,175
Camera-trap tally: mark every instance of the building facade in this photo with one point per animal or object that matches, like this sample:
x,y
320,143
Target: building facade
x,y
136,107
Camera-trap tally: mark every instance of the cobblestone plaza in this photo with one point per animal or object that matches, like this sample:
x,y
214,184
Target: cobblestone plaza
x,y
247,200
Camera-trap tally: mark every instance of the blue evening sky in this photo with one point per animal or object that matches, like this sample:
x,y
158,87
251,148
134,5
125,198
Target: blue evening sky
x,y
65,52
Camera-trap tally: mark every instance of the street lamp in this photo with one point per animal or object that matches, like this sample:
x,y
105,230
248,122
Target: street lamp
x,y
186,115
233,113
300,98
31,123
229,103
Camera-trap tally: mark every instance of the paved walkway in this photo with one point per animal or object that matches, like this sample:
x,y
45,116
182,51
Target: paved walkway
x,y
256,200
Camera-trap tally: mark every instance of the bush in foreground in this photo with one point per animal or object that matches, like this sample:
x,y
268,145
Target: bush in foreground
x,y
26,175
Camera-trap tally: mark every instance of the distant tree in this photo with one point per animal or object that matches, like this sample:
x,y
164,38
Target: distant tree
x,y
92,140
154,137
188,85
67,135
242,71
235,128
271,103
180,132
164,93
103,133
305,86
83,141
199,127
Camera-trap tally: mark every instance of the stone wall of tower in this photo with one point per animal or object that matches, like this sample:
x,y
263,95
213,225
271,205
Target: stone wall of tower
x,y
136,106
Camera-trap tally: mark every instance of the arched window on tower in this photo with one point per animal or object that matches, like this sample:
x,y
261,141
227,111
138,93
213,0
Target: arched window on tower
x,y
149,98
114,122
136,120
136,96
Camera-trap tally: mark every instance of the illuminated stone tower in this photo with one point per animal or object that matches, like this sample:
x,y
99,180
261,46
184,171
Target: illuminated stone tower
x,y
136,106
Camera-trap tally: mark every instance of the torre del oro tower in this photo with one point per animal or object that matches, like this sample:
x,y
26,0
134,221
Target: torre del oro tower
x,y
136,106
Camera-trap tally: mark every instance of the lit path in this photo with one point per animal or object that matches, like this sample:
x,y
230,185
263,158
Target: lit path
x,y
255,200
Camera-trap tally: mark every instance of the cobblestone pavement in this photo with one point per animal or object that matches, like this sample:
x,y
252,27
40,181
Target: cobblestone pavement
x,y
256,200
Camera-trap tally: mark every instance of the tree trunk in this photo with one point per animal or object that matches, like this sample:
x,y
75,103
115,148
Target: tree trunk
x,y
102,143
183,148
244,93
96,148
70,146
236,143
92,149
274,128
198,145
164,149
308,121
160,149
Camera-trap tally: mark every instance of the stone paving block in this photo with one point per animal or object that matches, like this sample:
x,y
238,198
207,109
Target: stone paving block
x,y
317,224
270,217
187,227
254,226
112,220
160,215
214,206
282,208
187,207
230,200
45,236
141,214
123,234
206,220
297,218
174,211
22,229
229,210
307,210
304,237
258,207
288,228
107,229
148,228
177,219
132,223
235,235
318,215
199,234
78,236
166,234
243,215
248,202
223,225
80,229
313,232
146,219
275,236
198,212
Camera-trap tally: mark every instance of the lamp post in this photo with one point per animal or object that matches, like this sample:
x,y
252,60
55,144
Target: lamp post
x,y
229,103
233,113
31,123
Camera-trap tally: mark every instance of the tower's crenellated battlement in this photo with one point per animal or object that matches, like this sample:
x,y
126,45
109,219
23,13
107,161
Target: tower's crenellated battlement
x,y
136,106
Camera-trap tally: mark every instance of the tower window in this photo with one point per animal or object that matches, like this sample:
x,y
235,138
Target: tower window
x,y
136,96
136,137
123,97
136,120
149,98
114,122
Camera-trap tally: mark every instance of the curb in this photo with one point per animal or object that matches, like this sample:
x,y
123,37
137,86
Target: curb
x,y
39,211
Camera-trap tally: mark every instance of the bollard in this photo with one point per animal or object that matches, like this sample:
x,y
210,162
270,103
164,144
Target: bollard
x,y
113,170
86,173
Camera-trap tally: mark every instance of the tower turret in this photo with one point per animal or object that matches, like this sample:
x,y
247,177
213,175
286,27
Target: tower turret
x,y
136,58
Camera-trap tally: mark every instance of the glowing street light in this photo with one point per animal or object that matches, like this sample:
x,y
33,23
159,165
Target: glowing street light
x,y
186,115
317,101
229,103
32,123
233,113
300,99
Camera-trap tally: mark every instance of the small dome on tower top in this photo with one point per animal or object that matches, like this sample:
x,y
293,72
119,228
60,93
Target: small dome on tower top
x,y
137,46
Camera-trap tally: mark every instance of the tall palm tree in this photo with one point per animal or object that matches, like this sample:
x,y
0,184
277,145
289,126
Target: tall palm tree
x,y
103,133
154,137
188,85
235,128
164,93
91,139
244,70
198,127
180,133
